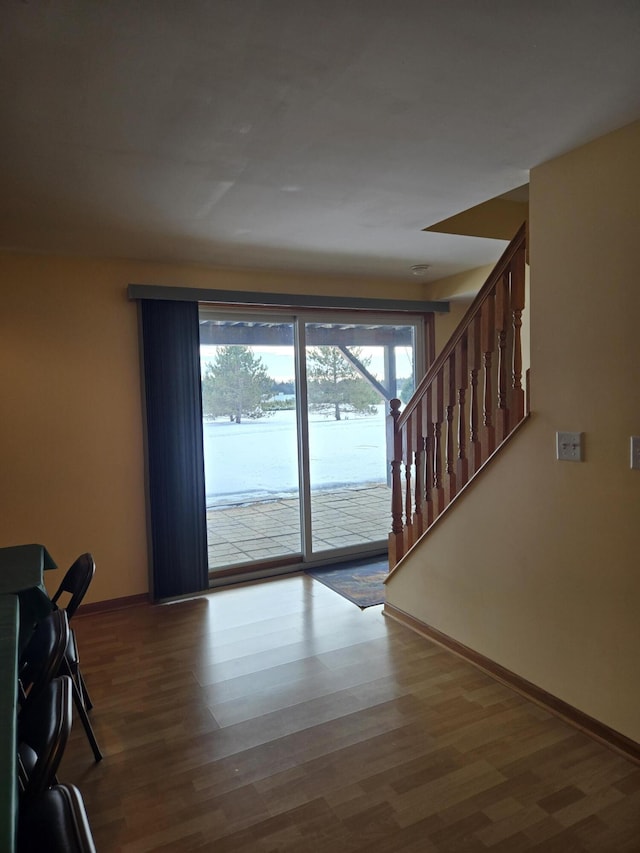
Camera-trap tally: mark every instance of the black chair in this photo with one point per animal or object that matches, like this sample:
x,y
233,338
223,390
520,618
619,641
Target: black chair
x,y
55,822
42,658
43,732
67,669
75,584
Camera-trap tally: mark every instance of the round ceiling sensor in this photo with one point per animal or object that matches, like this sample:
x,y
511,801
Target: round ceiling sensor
x,y
420,269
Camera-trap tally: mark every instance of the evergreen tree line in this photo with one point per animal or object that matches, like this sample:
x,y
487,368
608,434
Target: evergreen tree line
x,y
236,385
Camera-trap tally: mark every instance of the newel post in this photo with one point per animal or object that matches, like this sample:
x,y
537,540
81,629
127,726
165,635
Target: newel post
x,y
394,447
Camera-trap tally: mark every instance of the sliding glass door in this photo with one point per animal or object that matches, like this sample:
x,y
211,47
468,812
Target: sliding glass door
x,y
294,434
351,372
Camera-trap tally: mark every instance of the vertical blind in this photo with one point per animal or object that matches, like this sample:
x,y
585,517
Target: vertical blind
x,y
175,461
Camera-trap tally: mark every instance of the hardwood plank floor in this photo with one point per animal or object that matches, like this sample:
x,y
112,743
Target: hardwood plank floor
x,y
277,716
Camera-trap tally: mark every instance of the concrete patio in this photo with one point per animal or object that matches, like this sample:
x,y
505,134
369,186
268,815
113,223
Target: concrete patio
x,y
270,529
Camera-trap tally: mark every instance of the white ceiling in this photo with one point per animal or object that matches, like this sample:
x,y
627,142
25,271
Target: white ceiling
x,y
310,135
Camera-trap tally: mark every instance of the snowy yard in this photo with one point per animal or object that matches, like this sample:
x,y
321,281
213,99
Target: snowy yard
x,y
257,460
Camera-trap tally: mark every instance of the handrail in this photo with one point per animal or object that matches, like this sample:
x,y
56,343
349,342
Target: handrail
x,y
518,243
437,442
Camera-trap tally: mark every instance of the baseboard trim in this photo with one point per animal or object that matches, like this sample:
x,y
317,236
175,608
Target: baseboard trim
x,y
599,731
113,604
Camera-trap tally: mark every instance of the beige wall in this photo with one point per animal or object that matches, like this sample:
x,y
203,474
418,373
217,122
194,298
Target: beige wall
x,y
462,286
459,290
538,566
446,323
72,474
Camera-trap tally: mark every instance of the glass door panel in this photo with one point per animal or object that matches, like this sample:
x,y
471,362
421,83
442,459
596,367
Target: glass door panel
x,y
352,371
250,440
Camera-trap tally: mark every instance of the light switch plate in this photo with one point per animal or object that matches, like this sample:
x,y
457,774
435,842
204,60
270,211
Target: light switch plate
x,y
635,452
569,446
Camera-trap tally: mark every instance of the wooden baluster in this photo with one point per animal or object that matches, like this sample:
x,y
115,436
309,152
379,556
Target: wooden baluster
x,y
407,456
487,346
427,420
517,307
449,410
418,444
394,441
475,451
462,379
438,417
420,517
502,413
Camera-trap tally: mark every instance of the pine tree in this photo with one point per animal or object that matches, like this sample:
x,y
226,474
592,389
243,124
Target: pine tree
x,y
235,384
334,383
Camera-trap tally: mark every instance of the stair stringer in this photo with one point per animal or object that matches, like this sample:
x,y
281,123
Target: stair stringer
x,y
469,485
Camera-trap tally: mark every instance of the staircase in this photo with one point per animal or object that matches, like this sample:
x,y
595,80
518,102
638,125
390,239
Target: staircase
x,y
467,406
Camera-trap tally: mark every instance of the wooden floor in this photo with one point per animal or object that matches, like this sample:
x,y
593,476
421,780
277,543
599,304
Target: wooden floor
x,y
279,717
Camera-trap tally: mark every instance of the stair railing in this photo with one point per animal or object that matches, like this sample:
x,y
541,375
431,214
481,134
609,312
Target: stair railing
x,y
469,402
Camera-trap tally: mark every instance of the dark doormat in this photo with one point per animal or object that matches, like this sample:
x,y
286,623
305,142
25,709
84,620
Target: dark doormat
x,y
359,581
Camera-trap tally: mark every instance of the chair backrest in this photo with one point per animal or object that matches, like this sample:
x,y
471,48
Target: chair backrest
x,y
43,734
57,818
42,657
76,582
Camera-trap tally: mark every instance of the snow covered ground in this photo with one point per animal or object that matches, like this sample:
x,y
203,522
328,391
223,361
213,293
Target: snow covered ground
x,y
257,460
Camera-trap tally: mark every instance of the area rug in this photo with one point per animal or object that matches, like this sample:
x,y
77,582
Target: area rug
x,y
359,581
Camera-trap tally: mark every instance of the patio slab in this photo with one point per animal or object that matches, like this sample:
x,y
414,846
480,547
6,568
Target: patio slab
x,y
268,529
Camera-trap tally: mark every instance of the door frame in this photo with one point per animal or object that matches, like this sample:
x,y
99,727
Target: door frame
x,y
422,348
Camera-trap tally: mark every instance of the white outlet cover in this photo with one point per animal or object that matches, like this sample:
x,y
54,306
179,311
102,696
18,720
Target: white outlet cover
x,y
569,446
